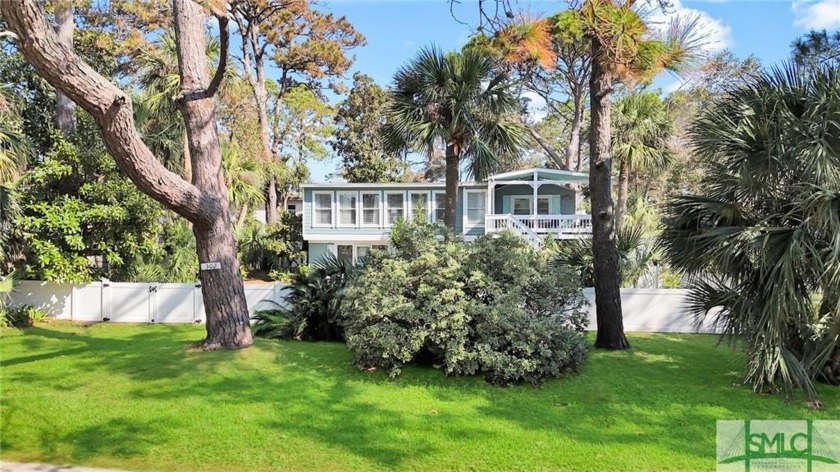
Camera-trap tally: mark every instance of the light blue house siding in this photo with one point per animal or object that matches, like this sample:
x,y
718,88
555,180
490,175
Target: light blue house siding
x,y
318,251
562,198
333,225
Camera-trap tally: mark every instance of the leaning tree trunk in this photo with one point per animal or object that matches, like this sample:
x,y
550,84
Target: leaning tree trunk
x,y
552,154
452,178
607,295
573,148
65,108
204,204
623,185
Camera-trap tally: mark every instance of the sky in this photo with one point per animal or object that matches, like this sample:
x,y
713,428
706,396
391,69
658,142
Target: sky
x,y
396,29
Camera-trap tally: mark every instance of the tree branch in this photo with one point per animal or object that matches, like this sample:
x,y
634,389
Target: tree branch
x,y
224,38
109,106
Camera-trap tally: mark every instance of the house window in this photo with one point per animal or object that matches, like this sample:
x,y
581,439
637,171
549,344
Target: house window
x,y
395,206
521,205
361,252
347,203
370,209
322,209
474,207
440,206
344,253
419,205
543,205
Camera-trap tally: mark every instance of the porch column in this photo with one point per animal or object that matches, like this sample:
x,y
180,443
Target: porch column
x,y
534,201
488,206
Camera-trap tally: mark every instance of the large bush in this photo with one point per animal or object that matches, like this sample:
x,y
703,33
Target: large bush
x,y
494,307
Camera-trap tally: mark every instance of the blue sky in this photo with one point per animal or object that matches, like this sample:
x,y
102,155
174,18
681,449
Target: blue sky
x,y
395,29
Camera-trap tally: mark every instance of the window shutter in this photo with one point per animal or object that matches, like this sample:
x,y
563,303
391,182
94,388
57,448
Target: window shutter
x,y
506,204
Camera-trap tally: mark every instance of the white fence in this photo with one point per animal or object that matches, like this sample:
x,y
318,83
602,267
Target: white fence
x,y
645,310
130,302
653,311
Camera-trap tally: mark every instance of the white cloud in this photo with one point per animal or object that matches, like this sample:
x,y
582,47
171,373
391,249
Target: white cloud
x,y
824,14
716,35
537,109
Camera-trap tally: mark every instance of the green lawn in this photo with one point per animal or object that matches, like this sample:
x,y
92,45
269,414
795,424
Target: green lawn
x,y
133,397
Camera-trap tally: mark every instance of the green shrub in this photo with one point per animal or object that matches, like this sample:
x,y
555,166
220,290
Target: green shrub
x,y
313,307
22,317
494,307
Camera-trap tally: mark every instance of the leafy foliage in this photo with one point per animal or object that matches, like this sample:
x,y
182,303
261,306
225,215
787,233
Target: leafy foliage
x,y
22,317
636,253
358,139
175,259
81,218
273,247
452,304
313,309
763,237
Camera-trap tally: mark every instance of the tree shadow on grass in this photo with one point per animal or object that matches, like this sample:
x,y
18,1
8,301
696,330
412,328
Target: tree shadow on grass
x,y
311,390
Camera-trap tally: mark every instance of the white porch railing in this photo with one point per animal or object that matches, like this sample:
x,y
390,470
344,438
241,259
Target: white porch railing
x,y
558,224
497,223
540,224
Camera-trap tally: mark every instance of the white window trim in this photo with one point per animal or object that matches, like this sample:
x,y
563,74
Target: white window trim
x,y
380,208
385,222
338,223
467,224
530,199
411,204
434,205
315,223
333,248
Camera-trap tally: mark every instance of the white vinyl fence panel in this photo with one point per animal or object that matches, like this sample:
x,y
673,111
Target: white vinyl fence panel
x,y
131,302
653,311
645,310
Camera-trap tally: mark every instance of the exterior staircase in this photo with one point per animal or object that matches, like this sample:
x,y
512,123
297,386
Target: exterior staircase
x,y
511,223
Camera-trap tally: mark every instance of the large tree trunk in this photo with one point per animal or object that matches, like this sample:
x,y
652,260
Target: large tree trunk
x,y
65,108
573,148
228,322
607,295
623,185
452,178
204,204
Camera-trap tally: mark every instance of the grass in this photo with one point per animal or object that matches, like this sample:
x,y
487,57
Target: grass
x,y
133,397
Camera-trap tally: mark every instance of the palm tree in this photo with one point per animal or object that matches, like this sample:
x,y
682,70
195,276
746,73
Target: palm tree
x,y
14,145
156,112
763,239
641,128
623,49
14,154
245,179
462,102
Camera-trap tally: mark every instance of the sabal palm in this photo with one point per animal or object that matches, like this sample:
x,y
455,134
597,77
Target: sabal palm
x,y
641,126
156,112
14,145
462,102
244,178
764,237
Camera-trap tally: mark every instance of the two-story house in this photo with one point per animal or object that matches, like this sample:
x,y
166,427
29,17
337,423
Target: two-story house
x,y
348,219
